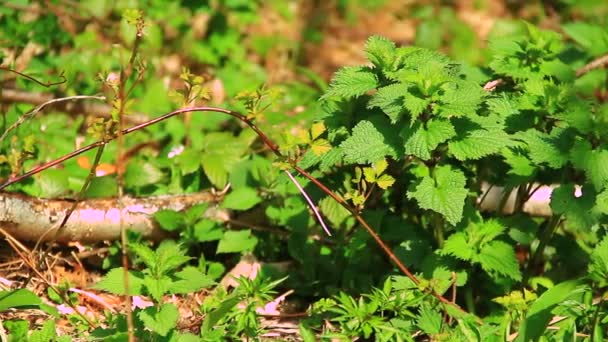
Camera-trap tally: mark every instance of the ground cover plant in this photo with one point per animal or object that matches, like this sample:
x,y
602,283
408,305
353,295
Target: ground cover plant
x,y
243,206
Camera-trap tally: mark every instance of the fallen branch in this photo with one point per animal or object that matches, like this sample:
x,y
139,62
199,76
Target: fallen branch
x,y
594,64
29,218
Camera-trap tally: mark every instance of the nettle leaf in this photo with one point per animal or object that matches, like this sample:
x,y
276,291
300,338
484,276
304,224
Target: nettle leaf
x,y
415,104
114,282
422,139
169,220
366,145
544,148
498,257
502,106
236,241
241,199
460,99
429,320
457,245
593,162
577,210
190,280
391,100
594,38
519,164
444,194
598,267
160,320
351,82
380,51
479,143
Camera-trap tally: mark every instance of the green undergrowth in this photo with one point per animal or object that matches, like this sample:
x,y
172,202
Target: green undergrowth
x,y
405,142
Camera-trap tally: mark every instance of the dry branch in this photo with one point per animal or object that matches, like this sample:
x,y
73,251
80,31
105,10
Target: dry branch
x,y
28,218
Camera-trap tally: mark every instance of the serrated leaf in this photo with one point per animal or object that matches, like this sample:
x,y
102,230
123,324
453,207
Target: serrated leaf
x,y
46,334
429,320
169,220
385,181
160,320
188,161
190,280
498,257
207,230
457,245
366,145
519,164
544,148
169,257
335,213
114,282
157,287
145,253
236,241
421,140
380,51
444,194
479,143
577,210
351,82
593,162
391,100
320,146
140,174
416,105
241,199
461,99
598,267
317,129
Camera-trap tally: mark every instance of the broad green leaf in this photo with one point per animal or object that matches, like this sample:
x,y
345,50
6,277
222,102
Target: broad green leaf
x,y
18,298
220,312
236,241
540,313
169,257
422,139
351,82
241,199
498,257
102,187
207,230
188,161
457,246
190,280
215,170
479,143
544,148
592,37
444,194
157,287
366,145
461,99
169,220
391,100
53,183
335,213
140,173
598,267
46,334
161,320
577,210
145,253
593,162
114,282
429,320
380,51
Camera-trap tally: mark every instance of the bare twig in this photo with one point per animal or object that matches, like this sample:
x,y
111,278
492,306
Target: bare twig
x,y
38,108
44,84
311,204
599,62
95,109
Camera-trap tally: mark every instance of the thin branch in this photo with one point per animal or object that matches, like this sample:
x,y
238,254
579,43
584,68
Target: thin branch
x,y
35,98
599,62
311,204
275,149
44,84
38,108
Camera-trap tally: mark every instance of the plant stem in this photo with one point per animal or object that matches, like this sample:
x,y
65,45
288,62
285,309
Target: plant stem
x,y
543,240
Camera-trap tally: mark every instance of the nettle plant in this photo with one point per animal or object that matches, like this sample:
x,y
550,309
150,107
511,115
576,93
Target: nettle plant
x,y
410,140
